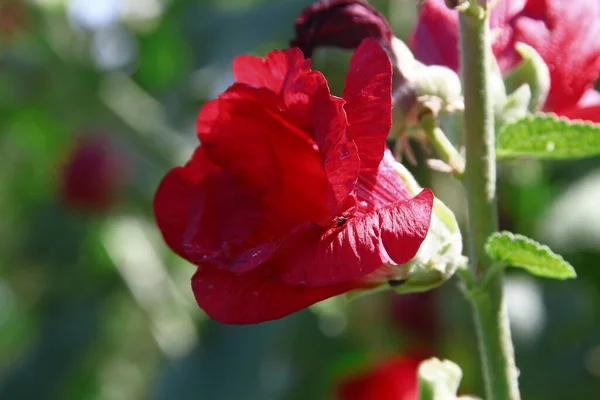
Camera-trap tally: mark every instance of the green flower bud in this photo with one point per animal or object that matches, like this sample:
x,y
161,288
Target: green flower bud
x,y
439,380
441,252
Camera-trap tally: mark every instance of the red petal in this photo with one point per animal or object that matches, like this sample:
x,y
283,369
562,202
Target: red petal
x,y
270,72
339,154
253,297
566,36
591,113
381,188
435,40
228,227
248,133
284,72
368,96
390,234
172,199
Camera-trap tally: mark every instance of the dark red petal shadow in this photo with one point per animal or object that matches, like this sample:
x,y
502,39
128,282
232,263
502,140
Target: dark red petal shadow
x,y
172,199
254,297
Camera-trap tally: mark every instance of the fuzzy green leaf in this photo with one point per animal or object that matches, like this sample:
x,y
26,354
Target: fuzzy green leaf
x,y
546,136
523,252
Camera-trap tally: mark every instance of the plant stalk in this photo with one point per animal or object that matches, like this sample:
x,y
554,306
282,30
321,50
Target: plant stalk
x,y
489,308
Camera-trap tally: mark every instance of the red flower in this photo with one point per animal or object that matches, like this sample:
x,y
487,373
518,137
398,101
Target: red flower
x,y
340,23
93,175
417,313
395,379
290,199
564,33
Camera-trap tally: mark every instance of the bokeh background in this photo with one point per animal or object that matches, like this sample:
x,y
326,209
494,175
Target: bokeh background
x,y
98,99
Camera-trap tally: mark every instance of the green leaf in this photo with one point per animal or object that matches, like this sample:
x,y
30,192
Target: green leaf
x,y
547,136
523,252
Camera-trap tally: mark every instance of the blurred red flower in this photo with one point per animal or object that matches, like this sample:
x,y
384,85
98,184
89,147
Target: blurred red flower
x,y
292,198
93,175
417,313
394,379
564,33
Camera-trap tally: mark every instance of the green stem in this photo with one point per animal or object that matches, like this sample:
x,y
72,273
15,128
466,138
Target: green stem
x,y
442,145
489,308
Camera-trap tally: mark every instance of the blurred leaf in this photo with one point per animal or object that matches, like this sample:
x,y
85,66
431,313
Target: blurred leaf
x,y
522,252
164,56
68,328
547,136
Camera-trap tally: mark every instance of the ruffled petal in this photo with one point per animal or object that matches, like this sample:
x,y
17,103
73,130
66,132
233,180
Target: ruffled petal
x,y
228,227
254,296
390,234
339,154
286,73
381,188
368,96
246,131
172,199
270,72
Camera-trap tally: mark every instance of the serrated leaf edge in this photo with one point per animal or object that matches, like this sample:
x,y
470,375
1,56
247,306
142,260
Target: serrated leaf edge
x,y
528,241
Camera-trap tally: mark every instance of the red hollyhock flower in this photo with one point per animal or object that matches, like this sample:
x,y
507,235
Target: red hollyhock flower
x,y
292,198
93,175
417,313
564,33
394,379
340,23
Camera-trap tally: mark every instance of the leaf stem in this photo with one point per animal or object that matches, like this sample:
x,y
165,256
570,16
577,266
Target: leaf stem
x,y
491,321
442,145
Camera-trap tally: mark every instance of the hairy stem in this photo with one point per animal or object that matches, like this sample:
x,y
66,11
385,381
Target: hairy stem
x,y
491,321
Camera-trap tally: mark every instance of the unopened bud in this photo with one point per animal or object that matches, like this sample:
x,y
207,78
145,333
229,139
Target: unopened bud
x,y
438,379
416,85
441,252
340,23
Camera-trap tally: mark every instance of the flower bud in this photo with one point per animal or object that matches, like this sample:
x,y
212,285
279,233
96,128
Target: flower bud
x,y
441,252
340,23
437,258
416,85
93,174
438,379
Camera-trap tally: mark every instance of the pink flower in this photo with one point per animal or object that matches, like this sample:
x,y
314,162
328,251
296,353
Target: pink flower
x,y
564,33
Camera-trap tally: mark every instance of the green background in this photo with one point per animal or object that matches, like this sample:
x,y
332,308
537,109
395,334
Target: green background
x,y
95,306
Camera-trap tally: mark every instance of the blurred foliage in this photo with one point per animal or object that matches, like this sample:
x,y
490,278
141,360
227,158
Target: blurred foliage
x,y
94,306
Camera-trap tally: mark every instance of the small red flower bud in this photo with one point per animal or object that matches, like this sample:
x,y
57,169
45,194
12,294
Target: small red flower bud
x,y
93,174
340,23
